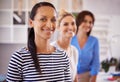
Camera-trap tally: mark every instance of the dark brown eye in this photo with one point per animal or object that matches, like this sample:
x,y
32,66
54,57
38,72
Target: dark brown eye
x,y
90,22
85,21
73,23
43,19
53,20
65,24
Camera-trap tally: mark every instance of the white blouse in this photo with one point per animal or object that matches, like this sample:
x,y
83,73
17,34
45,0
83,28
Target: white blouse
x,y
73,58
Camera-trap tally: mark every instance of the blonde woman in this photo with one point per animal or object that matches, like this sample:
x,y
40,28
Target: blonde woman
x,y
67,28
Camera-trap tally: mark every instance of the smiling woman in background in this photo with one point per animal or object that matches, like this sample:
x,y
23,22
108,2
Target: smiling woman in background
x,y
39,61
67,29
88,48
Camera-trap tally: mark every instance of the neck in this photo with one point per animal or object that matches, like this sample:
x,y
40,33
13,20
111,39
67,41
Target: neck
x,y
64,43
42,46
81,35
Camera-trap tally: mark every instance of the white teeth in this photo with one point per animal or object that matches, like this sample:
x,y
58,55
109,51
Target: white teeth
x,y
70,31
47,29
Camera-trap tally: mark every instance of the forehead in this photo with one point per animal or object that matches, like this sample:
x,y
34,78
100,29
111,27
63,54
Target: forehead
x,y
88,17
68,18
46,11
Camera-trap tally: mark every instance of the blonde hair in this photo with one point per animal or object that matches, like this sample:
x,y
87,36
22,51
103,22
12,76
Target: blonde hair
x,y
61,15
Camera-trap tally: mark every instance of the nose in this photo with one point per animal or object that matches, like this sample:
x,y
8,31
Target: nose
x,y
87,23
71,27
49,24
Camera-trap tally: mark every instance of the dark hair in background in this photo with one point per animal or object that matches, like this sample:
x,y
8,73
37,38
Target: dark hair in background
x,y
80,18
31,36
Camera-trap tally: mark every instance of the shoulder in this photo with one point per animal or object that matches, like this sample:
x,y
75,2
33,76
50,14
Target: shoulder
x,y
74,48
59,51
74,37
53,43
23,50
20,53
74,40
93,38
61,55
75,51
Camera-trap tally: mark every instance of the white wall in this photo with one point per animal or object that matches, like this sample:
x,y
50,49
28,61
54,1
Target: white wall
x,y
105,7
109,9
6,50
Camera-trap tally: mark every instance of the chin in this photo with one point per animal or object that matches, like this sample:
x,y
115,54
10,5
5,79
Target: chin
x,y
69,37
48,37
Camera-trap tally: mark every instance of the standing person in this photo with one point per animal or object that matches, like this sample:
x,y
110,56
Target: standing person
x,y
40,62
67,29
88,48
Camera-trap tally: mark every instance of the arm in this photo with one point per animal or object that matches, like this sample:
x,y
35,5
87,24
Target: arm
x,y
93,78
15,68
96,62
76,78
76,63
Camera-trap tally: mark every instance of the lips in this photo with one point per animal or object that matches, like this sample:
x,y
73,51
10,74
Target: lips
x,y
71,32
47,29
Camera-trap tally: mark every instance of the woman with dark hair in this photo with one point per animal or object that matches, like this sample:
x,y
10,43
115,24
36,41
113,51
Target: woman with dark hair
x,y
40,61
88,48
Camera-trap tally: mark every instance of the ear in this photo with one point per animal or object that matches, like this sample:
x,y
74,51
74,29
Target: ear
x,y
31,23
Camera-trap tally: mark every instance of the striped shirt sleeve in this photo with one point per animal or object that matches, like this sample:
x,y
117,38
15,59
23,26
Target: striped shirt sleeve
x,y
15,68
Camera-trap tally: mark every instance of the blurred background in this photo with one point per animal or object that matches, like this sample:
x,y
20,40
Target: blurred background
x,y
14,15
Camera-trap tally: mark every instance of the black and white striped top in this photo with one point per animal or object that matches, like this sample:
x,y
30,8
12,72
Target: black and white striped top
x,y
54,67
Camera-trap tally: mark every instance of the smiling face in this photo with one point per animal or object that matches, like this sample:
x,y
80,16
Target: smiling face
x,y
44,22
86,24
67,27
85,21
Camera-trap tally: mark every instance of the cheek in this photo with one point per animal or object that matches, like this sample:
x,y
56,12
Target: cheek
x,y
54,26
88,29
74,29
38,24
80,27
62,28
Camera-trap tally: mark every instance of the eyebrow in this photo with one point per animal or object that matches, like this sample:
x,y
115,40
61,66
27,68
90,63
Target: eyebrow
x,y
48,17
